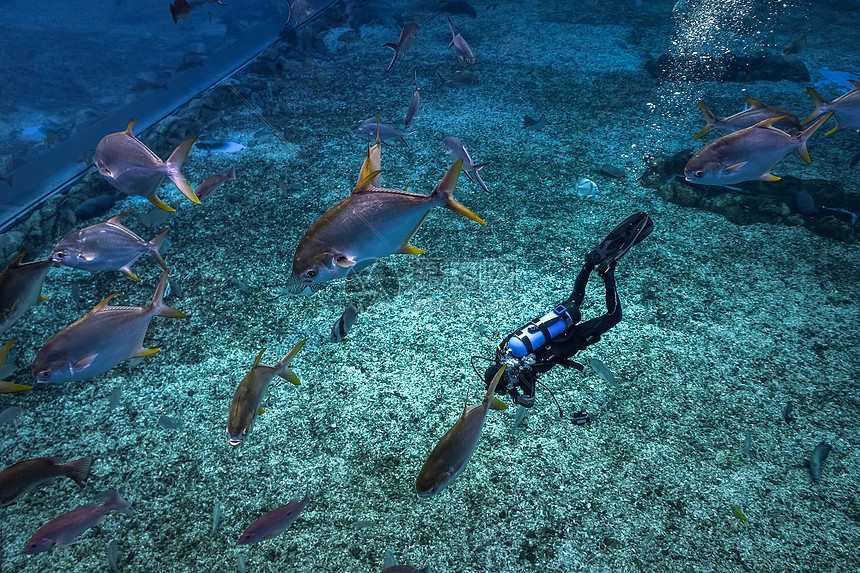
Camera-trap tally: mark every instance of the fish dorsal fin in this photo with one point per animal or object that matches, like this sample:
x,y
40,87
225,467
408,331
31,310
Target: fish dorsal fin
x,y
365,183
259,357
4,352
115,220
753,102
103,304
128,128
17,262
855,83
768,123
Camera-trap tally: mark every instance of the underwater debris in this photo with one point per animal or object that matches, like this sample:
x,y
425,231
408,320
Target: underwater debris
x,y
736,511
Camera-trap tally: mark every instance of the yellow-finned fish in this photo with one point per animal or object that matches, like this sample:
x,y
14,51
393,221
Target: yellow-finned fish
x,y
747,154
755,113
846,108
9,387
134,169
450,456
100,340
369,224
249,394
21,288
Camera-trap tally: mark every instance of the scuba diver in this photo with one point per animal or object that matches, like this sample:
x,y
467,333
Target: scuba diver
x,y
553,338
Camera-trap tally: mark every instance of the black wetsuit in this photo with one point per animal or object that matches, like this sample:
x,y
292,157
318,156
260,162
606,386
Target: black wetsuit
x,y
522,372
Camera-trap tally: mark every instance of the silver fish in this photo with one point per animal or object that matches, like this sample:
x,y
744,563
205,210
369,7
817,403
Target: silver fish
x,y
344,323
100,340
9,414
371,128
115,398
454,147
134,169
755,113
275,522
62,530
215,181
369,224
107,246
846,108
747,154
251,390
217,513
459,80
113,555
450,456
21,288
461,47
408,35
23,477
169,423
603,371
414,104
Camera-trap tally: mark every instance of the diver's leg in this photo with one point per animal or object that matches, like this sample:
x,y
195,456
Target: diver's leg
x,y
591,330
575,299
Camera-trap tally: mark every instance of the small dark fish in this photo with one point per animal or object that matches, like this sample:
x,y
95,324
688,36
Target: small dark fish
x,y
220,146
62,530
786,412
534,124
97,206
217,512
795,46
169,423
408,35
459,80
21,288
819,454
747,445
241,285
275,522
344,323
19,479
153,218
113,555
214,182
855,160
461,47
174,287
115,398
415,103
180,10
9,414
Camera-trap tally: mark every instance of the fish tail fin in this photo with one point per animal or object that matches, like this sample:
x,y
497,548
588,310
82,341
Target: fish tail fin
x,y
479,180
174,164
79,470
282,368
231,174
491,389
157,304
11,387
710,118
819,102
116,501
443,193
442,80
394,59
807,133
155,244
4,351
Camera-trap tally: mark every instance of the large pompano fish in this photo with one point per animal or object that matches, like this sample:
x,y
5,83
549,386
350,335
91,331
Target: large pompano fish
x,y
100,340
21,288
450,456
455,147
846,108
107,246
408,35
747,154
755,113
369,224
134,169
249,394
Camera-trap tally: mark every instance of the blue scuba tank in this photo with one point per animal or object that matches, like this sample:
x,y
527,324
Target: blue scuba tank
x,y
538,332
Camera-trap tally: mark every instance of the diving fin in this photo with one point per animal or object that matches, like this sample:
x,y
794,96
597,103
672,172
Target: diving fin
x,y
632,230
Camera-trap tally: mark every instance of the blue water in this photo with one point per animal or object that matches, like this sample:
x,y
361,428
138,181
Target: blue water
x,y
733,307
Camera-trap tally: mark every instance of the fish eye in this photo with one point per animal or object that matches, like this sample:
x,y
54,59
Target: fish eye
x,y
310,273
60,254
45,374
699,174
